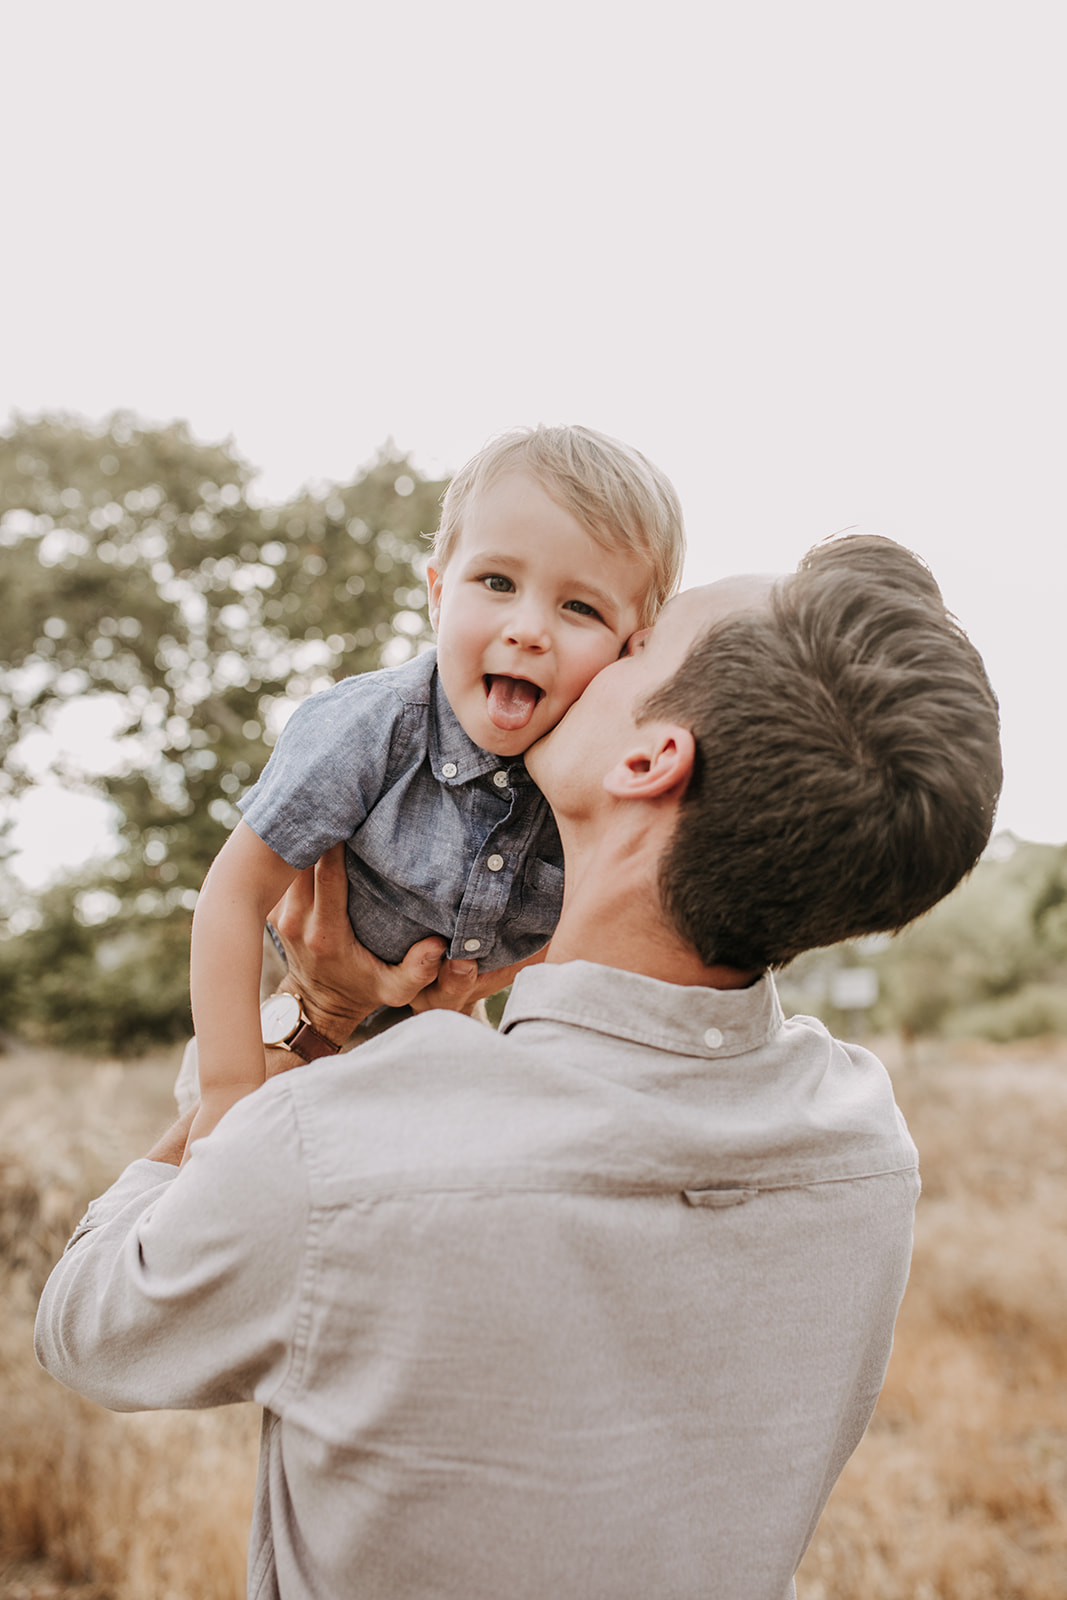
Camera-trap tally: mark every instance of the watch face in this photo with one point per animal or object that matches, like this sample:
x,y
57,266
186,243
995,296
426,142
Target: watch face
x,y
279,1017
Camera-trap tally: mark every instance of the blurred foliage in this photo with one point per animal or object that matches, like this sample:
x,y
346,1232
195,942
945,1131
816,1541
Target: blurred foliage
x,y
989,962
139,570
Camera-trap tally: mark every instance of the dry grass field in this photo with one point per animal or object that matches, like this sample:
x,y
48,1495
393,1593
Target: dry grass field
x,y
958,1492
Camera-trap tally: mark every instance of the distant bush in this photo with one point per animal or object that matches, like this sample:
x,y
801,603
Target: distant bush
x,y
989,962
1031,1012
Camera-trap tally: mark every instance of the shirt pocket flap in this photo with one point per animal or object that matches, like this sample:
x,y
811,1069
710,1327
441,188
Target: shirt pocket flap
x,y
718,1197
544,878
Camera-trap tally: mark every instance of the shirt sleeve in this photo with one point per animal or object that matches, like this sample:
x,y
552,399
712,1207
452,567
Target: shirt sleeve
x,y
181,1288
328,769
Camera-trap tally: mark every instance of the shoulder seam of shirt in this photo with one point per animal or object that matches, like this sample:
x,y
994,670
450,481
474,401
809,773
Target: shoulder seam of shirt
x,y
403,735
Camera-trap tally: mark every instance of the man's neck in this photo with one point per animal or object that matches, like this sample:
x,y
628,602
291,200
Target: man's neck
x,y
612,916
669,964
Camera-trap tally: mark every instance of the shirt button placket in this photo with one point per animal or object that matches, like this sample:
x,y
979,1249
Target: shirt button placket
x,y
487,897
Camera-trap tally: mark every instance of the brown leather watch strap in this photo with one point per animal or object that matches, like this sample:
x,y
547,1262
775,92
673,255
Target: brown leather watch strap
x,y
308,1043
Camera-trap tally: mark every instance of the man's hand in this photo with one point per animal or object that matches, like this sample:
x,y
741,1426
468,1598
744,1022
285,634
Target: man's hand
x,y
340,982
459,985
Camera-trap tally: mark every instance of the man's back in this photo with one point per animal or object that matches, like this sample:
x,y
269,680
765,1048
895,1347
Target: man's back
x,y
596,1307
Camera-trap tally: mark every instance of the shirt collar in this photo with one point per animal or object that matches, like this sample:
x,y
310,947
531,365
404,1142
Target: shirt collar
x,y
454,756
688,1021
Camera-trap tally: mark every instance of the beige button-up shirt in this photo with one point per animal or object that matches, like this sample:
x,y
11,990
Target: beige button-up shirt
x,y
592,1308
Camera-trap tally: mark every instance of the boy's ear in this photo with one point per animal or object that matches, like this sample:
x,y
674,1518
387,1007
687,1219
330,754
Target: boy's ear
x,y
433,592
661,760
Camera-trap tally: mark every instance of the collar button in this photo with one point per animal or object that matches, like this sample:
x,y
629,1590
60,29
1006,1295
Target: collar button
x,y
449,769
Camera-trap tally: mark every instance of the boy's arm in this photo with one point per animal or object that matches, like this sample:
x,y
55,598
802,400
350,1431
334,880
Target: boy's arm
x,y
245,881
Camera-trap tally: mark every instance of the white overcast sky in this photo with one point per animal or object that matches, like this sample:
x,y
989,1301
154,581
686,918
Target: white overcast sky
x,y
809,257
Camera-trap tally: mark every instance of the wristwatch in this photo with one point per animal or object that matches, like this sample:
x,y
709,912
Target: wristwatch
x,y
286,1027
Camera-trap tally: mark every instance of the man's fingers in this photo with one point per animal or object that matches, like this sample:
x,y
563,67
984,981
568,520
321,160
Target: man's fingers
x,y
419,967
295,904
456,989
315,899
331,880
424,956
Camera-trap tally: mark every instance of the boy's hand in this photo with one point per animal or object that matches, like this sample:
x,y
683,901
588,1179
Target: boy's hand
x,y
340,982
170,1146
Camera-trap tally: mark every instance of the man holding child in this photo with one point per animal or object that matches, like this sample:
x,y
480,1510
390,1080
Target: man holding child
x,y
597,1305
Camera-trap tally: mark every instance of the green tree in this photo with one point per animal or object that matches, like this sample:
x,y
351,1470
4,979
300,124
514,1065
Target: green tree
x,y
138,567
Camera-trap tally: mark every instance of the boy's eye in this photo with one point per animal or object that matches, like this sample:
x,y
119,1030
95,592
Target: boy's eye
x,y
498,583
581,608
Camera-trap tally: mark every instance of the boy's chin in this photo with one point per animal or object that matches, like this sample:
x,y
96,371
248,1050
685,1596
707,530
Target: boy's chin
x,y
536,753
508,746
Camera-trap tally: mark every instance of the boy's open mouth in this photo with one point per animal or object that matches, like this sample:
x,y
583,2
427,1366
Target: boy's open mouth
x,y
511,702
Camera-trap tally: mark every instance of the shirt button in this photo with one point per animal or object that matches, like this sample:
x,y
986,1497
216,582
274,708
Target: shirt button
x,y
713,1038
500,779
449,769
472,945
495,863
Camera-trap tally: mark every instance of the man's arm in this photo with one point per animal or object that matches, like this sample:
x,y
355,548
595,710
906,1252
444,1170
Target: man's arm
x,y
181,1289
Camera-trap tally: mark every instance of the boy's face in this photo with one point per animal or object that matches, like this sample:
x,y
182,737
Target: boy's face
x,y
527,612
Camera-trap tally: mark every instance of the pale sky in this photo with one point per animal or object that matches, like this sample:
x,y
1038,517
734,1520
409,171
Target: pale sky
x,y
809,258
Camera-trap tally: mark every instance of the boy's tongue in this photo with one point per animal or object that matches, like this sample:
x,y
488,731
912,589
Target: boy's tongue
x,y
511,702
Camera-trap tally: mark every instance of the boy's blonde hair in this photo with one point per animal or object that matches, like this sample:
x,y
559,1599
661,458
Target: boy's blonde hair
x,y
619,497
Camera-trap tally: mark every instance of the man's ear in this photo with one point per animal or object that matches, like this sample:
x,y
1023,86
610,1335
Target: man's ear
x,y
661,760
433,592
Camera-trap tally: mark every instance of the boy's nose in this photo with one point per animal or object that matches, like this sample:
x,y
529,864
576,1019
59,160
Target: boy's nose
x,y
527,627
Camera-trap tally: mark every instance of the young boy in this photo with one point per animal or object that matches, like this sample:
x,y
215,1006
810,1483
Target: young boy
x,y
555,545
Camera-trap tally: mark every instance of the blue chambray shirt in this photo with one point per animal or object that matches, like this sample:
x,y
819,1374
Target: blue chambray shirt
x,y
441,837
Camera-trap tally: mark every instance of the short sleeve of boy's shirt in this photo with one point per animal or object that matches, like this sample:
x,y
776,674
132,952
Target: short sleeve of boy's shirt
x,y
334,759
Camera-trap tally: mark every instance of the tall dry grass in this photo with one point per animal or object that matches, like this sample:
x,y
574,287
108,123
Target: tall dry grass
x,y
95,1505
958,1492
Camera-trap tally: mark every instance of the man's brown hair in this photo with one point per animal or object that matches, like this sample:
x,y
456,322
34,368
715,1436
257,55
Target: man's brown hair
x,y
847,760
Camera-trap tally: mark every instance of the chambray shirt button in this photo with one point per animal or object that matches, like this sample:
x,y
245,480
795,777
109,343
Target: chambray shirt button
x,y
495,863
472,945
713,1038
500,779
449,769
